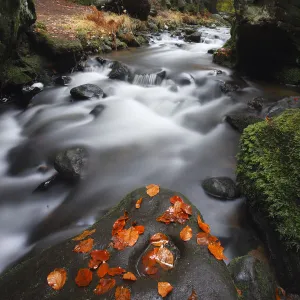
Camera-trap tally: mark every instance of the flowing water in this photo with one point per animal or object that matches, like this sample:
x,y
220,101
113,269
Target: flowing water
x,y
170,132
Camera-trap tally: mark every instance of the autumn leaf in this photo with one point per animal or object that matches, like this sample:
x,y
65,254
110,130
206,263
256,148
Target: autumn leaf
x,y
140,229
84,277
216,250
120,224
104,286
159,239
129,276
240,292
84,246
205,227
125,238
84,234
116,271
97,257
186,233
202,238
280,292
175,199
103,270
57,279
165,258
152,189
164,288
138,203
193,296
149,261
122,293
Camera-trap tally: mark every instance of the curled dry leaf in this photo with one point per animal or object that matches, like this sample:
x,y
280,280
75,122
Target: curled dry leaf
x,y
120,224
205,227
159,239
84,277
84,246
129,276
138,203
103,270
84,234
164,288
152,189
140,229
104,286
216,250
186,233
125,238
116,271
57,279
193,296
122,293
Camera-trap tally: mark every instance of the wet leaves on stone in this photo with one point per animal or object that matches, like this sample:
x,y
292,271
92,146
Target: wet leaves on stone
x,y
138,203
57,279
217,250
116,271
140,229
125,238
193,296
104,286
186,233
159,239
84,246
152,190
164,288
84,234
122,293
97,257
129,276
103,270
120,224
84,277
205,227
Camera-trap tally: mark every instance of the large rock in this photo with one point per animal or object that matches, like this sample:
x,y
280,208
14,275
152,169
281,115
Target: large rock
x,y
119,71
86,91
194,37
268,175
242,119
195,268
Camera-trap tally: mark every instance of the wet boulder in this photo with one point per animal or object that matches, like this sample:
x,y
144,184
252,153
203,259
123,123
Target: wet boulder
x,y
86,91
28,92
71,163
241,120
228,87
119,71
194,37
253,277
256,103
221,188
194,267
63,80
281,106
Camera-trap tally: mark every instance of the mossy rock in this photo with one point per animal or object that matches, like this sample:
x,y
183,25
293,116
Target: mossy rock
x,y
195,268
268,175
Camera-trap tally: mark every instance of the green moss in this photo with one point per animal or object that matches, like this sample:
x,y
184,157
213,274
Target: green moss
x,y
268,173
225,6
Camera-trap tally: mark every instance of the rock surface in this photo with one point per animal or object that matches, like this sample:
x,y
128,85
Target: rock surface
x,y
195,268
119,71
86,91
241,120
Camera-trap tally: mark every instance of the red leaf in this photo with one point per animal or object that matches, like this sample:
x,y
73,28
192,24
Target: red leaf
x,y
164,288
104,286
57,279
138,203
102,255
140,229
116,271
84,234
205,227
175,199
84,246
120,224
125,238
122,293
129,276
159,239
149,261
84,277
186,233
103,270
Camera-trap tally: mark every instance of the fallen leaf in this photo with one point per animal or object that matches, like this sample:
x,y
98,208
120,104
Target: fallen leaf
x,y
149,262
140,229
239,292
84,277
175,199
138,203
57,279
152,189
120,224
164,288
125,238
122,293
84,246
193,296
104,286
129,276
216,250
116,271
97,257
103,270
165,258
159,239
202,238
84,234
205,227
186,233
280,292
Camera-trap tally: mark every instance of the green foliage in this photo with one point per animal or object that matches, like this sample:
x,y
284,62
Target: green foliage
x,y
225,6
268,173
289,75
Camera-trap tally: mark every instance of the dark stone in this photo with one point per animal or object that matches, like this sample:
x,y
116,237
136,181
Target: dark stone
x,y
138,9
221,188
153,12
97,110
160,76
28,92
47,184
227,87
241,120
212,51
86,91
256,103
71,163
186,79
193,38
282,105
101,60
195,268
253,277
119,71
63,80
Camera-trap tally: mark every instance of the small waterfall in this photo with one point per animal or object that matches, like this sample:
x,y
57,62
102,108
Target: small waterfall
x,y
146,80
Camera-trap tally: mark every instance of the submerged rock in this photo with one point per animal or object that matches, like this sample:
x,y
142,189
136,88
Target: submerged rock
x,y
256,103
97,110
86,91
227,87
63,80
71,163
119,71
194,37
253,277
195,268
241,120
221,187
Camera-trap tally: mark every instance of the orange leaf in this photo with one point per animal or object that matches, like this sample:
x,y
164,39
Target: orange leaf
x,y
84,234
186,233
57,279
165,258
104,286
175,199
216,250
152,189
164,288
149,261
280,292
84,277
202,238
84,246
102,255
240,292
138,203
159,239
122,293
129,276
103,270
193,296
120,224
205,227
125,238
116,271
140,229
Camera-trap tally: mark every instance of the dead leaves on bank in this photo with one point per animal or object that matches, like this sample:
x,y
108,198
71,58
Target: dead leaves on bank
x,y
57,279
